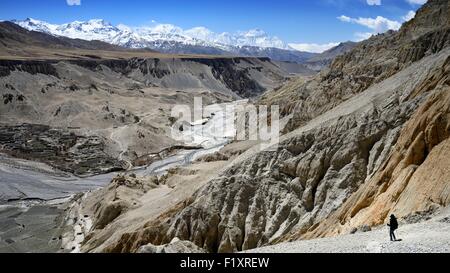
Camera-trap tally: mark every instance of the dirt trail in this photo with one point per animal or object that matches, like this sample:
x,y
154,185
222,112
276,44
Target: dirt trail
x,y
432,236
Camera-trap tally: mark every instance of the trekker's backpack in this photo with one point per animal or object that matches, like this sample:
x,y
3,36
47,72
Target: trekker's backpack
x,y
394,224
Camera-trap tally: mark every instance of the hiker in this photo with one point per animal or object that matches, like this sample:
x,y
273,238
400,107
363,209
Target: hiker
x,y
393,225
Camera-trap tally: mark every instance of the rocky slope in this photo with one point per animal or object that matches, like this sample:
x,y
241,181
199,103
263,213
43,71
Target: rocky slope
x,y
370,62
430,235
128,202
325,58
413,178
364,137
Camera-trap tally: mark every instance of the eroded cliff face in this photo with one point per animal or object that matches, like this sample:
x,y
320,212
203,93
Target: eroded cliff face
x,y
415,178
32,67
241,77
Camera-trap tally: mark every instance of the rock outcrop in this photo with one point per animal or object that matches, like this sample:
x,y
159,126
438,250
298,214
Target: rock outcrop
x,y
175,246
32,67
119,196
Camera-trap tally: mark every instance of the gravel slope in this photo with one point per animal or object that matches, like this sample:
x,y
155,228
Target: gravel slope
x,y
432,236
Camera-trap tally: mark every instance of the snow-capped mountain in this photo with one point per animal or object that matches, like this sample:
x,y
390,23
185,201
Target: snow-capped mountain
x,y
253,37
98,29
172,39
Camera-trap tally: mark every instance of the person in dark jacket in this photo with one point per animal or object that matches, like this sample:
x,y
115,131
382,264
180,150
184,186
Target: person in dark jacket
x,y
393,225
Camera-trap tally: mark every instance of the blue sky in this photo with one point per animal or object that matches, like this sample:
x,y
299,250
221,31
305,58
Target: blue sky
x,y
293,21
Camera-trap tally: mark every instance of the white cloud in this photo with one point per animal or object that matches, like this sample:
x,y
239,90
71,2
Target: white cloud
x,y
361,36
73,2
374,2
314,48
378,24
416,2
344,18
410,15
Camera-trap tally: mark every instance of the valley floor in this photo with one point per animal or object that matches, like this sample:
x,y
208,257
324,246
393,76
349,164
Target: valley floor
x,y
26,228
431,236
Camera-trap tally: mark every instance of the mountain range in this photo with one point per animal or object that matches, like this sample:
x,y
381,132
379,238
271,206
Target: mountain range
x,y
167,38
